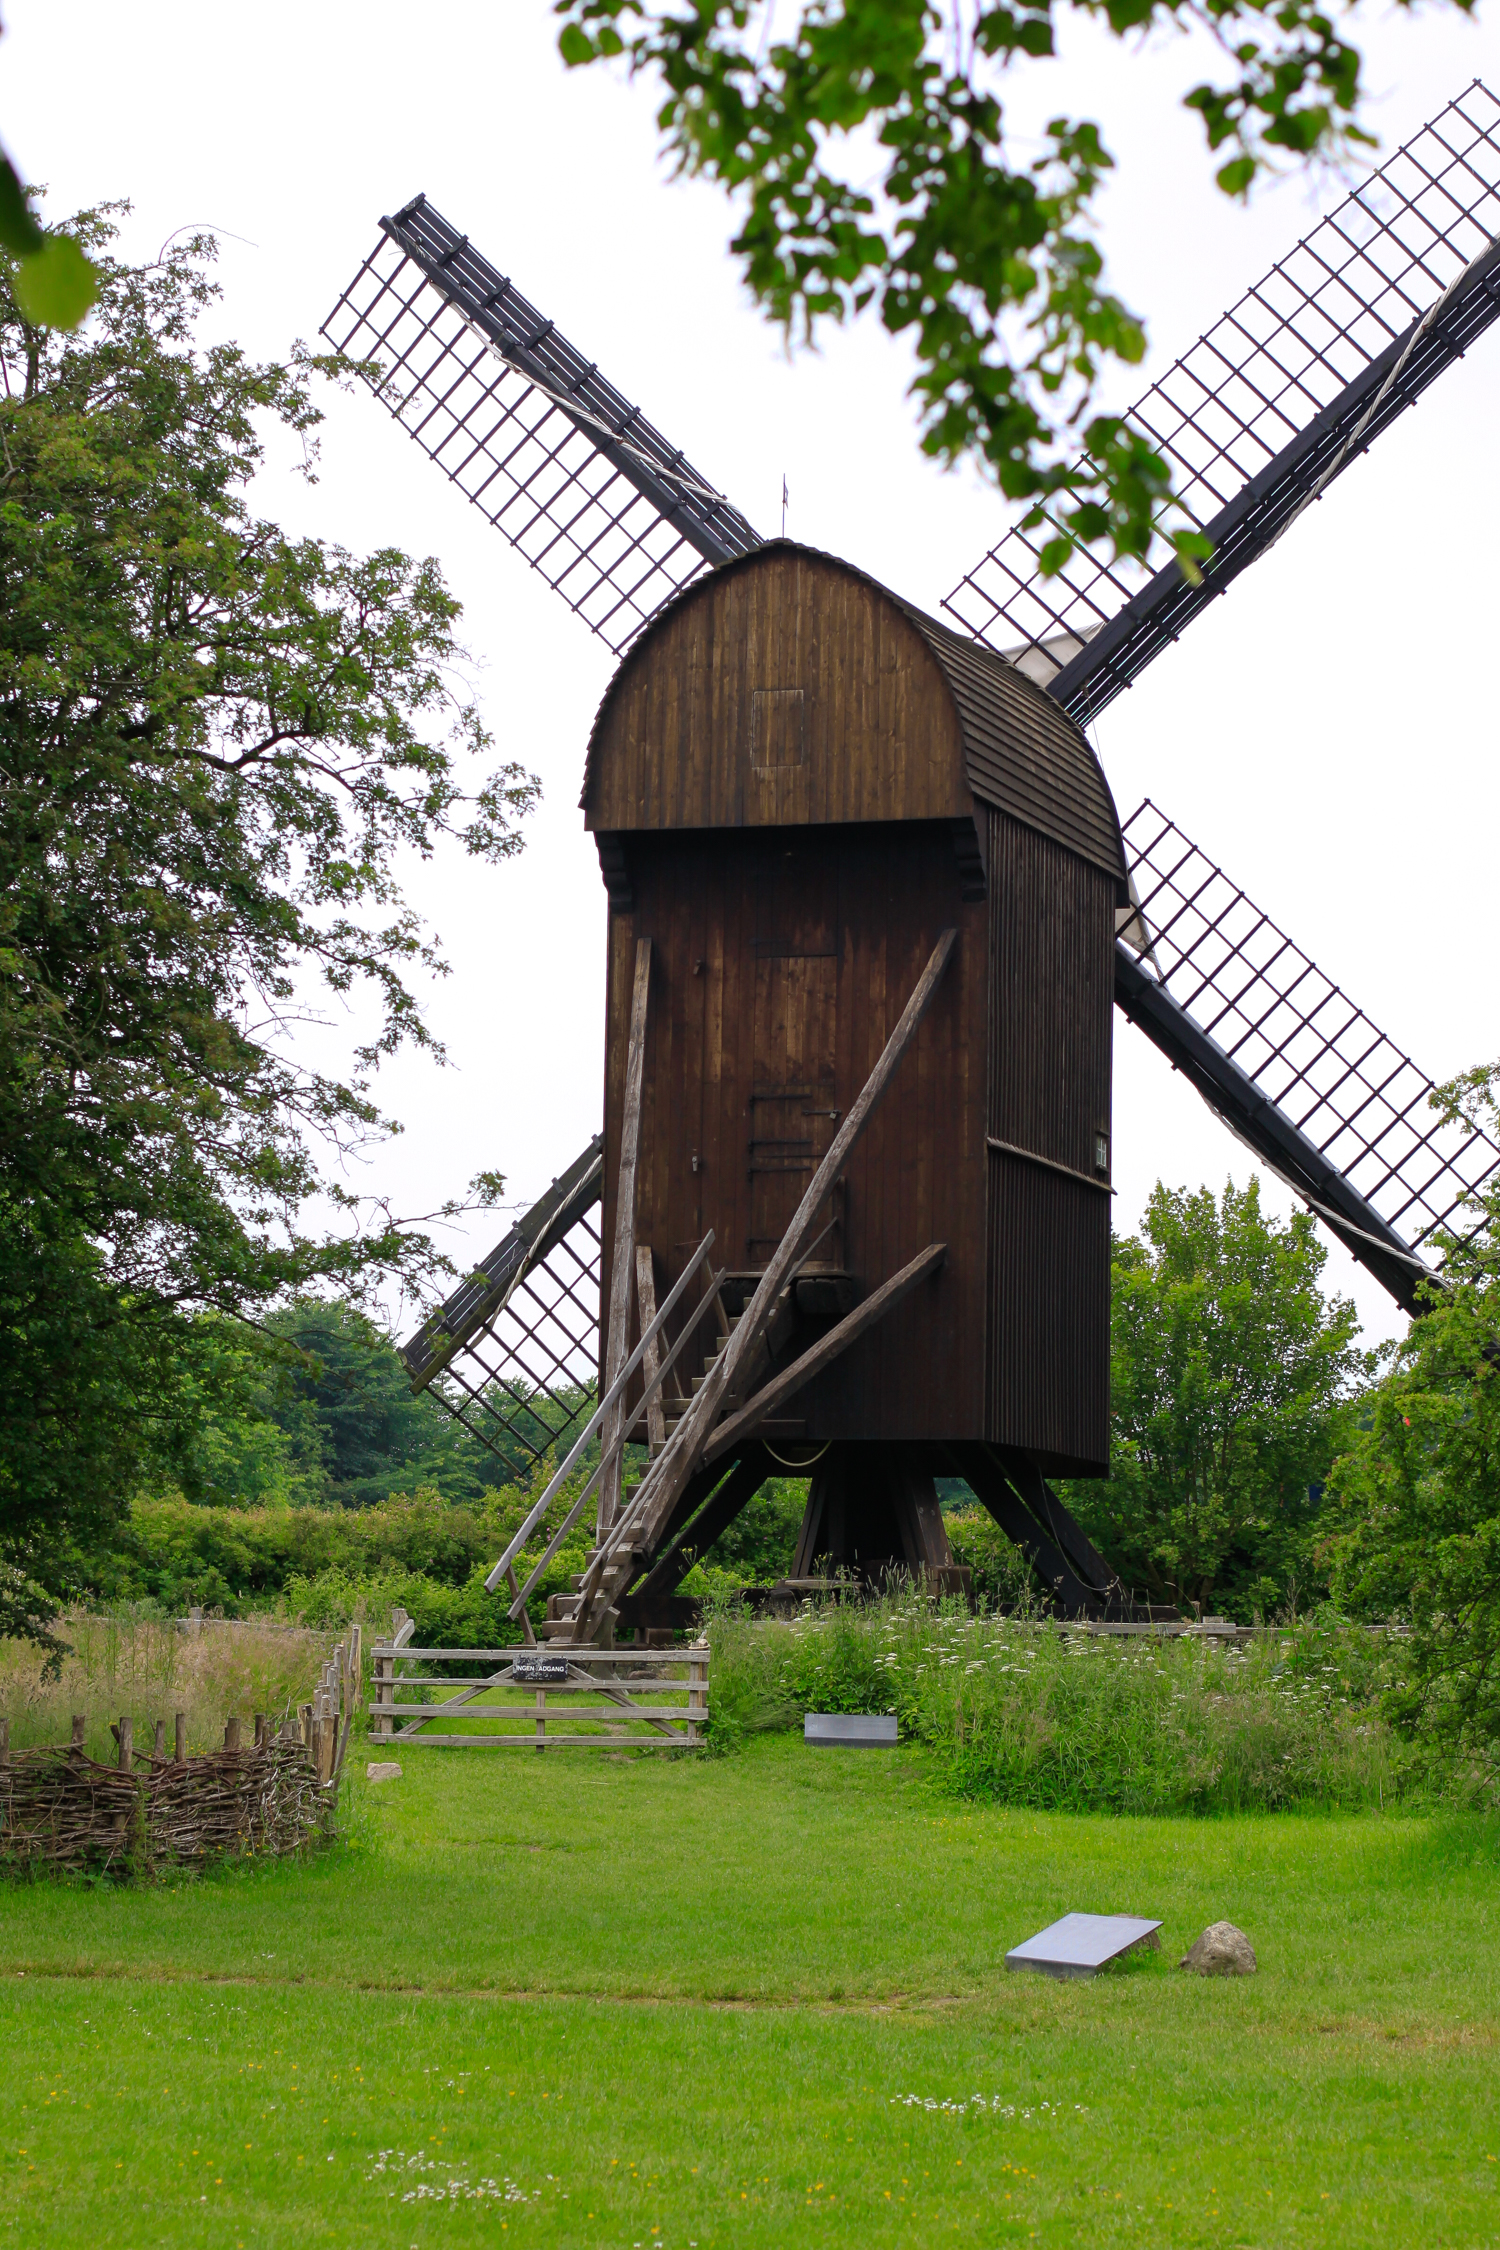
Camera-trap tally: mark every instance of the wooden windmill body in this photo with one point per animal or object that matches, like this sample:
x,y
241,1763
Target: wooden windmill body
x,y
797,783
869,917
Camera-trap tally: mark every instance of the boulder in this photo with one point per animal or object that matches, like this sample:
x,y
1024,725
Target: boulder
x,y
390,1771
1222,1951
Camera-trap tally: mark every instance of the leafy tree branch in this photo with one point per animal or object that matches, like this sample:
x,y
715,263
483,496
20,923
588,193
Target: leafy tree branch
x,y
987,259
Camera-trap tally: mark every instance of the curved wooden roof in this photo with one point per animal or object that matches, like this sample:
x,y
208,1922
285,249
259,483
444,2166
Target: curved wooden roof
x,y
789,687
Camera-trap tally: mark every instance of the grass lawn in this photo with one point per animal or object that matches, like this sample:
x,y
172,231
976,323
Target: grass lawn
x,y
684,2003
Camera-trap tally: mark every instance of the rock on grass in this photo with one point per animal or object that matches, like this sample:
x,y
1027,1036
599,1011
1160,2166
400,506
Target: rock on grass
x,y
1222,1951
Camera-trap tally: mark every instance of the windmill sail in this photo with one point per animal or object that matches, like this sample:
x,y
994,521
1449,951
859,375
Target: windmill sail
x,y
1288,386
596,499
514,1351
1292,1064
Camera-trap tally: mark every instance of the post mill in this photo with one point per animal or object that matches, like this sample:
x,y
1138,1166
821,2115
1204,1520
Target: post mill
x,y
870,908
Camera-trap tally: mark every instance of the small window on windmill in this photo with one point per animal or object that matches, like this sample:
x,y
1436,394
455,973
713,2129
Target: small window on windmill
x,y
776,716
1101,1152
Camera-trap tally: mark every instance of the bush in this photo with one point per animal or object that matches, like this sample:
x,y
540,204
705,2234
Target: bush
x,y
240,1560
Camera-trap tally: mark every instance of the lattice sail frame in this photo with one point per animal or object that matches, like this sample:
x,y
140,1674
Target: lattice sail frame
x,y
1305,1044
1266,370
514,1351
612,515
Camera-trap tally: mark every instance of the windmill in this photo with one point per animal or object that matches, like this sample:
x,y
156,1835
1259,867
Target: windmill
x,y
802,1323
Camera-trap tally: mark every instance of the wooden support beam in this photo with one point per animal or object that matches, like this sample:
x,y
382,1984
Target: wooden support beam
x,y
645,1297
1043,1532
822,1354
658,1490
518,1606
617,1331
724,1503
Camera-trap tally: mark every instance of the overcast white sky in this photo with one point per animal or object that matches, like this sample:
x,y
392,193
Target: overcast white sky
x,y
1325,731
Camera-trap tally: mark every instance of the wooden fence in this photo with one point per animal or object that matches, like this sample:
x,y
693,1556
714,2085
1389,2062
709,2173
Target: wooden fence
x,y
598,1697
62,1809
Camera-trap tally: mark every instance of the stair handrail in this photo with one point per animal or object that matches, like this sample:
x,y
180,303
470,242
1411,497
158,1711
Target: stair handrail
x,y
594,1423
653,1385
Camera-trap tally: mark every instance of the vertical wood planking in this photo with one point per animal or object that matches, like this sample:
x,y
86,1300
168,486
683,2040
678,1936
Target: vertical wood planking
x,y
1052,995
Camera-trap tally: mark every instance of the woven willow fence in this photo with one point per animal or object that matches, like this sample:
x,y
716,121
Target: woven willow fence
x,y
63,1811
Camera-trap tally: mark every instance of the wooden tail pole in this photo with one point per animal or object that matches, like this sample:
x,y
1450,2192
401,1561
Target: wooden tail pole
x,y
617,1333
663,1482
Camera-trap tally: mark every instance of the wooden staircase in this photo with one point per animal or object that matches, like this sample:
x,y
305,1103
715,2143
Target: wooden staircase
x,y
622,1565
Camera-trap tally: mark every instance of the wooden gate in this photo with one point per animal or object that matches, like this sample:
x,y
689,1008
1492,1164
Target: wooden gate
x,y
600,1699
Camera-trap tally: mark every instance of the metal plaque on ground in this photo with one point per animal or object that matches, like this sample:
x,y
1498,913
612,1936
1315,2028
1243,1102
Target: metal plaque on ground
x,y
865,1729
1082,1944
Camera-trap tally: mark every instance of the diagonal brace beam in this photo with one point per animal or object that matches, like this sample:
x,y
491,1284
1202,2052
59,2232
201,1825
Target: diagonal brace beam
x,y
823,1353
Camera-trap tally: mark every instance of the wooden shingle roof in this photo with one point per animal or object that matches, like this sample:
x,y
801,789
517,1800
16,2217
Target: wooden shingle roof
x,y
1021,751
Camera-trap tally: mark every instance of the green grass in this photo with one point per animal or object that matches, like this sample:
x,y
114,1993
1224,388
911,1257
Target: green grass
x,y
681,2002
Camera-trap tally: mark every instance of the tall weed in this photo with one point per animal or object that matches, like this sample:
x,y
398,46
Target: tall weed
x,y
145,1667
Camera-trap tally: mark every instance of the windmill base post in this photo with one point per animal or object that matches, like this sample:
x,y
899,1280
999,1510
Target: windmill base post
x,y
873,1515
1079,1581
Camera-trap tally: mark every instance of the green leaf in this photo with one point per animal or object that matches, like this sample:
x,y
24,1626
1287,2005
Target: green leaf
x,y
575,46
56,285
19,232
1235,177
1192,551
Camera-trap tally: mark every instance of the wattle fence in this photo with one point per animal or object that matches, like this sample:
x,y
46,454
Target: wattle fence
x,y
65,1812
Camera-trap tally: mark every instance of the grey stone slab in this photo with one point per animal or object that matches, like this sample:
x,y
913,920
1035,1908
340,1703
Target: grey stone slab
x,y
865,1730
1082,1944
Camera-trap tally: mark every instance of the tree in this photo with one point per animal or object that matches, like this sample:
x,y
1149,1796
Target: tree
x,y
1231,1384
215,742
987,262
1418,1491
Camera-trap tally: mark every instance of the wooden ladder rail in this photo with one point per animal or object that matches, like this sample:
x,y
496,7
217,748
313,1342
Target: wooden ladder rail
x,y
653,1389
538,1509
620,1275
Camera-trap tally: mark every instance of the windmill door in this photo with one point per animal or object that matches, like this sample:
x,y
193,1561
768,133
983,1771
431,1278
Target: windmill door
x,y
793,1107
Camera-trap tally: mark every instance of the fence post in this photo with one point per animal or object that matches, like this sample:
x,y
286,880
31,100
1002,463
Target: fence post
x,y
232,1731
541,1718
125,1730
385,1690
697,1688
179,1737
